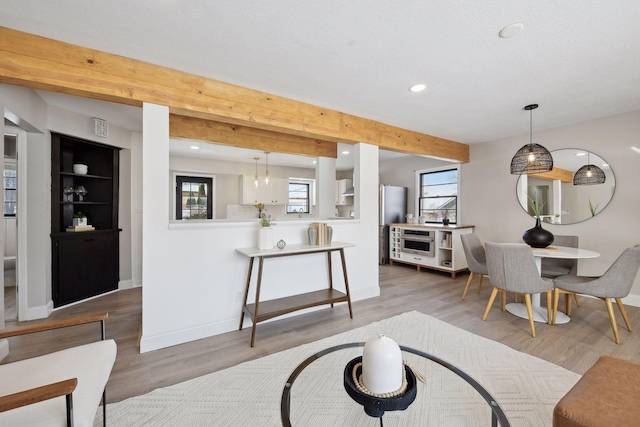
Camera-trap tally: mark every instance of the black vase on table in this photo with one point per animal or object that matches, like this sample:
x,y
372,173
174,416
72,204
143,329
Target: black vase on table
x,y
537,237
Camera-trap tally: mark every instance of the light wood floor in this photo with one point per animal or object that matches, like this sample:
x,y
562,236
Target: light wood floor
x,y
575,346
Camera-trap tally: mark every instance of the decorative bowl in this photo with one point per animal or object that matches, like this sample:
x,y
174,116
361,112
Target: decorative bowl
x,y
80,169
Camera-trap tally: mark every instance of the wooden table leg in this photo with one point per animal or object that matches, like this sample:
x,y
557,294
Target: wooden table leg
x,y
330,272
257,304
246,292
346,281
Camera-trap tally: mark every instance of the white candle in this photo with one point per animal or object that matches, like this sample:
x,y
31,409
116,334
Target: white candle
x,y
382,365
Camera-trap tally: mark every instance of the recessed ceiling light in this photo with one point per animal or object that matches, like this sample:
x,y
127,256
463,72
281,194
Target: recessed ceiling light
x,y
418,88
194,147
511,30
345,152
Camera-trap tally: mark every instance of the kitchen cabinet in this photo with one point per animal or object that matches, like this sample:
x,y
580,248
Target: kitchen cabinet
x,y
84,263
343,185
448,254
276,194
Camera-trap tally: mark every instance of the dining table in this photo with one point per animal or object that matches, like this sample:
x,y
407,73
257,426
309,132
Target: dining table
x,y
564,252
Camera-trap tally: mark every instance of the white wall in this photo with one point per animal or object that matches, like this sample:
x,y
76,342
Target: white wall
x,y
192,273
488,195
401,172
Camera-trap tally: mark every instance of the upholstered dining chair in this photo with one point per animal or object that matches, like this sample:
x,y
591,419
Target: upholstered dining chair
x,y
476,259
555,267
615,283
512,269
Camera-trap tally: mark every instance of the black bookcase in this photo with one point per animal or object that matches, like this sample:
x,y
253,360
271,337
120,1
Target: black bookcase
x,y
84,263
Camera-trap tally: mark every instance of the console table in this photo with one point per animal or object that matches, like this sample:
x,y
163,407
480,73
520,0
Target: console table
x,y
261,311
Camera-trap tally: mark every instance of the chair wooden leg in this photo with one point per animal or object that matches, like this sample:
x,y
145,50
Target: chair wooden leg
x,y
549,306
624,313
556,297
480,283
516,297
503,300
612,317
527,300
575,297
568,298
466,288
492,298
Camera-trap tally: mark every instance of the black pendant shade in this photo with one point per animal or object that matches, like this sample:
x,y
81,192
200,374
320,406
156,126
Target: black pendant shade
x,y
589,175
532,158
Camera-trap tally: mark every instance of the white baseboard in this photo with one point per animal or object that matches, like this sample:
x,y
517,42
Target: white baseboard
x,y
632,300
183,336
125,284
39,312
180,337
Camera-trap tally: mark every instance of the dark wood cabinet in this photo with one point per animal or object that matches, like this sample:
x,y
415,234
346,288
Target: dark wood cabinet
x,y
84,263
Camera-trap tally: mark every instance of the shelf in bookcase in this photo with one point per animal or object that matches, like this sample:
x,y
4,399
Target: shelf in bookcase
x,y
85,176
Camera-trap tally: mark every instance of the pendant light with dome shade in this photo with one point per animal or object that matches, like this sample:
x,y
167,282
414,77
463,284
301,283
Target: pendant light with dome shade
x,y
589,174
532,158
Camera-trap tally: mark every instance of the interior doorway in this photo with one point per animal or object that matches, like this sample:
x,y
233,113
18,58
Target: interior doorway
x,y
10,249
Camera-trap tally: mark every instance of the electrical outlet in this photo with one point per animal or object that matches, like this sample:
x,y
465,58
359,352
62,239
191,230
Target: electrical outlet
x,y
238,296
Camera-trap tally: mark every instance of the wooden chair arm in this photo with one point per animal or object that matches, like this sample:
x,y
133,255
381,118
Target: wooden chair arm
x,y
39,394
52,324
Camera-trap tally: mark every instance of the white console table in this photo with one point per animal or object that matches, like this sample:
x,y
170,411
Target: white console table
x,y
260,311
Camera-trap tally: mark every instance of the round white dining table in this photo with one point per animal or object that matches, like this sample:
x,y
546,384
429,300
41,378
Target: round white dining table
x,y
564,252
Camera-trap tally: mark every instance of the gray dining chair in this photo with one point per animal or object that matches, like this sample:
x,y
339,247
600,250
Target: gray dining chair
x,y
476,259
555,267
615,283
512,269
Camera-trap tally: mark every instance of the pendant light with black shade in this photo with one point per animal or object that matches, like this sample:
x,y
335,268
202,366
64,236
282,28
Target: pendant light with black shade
x,y
589,174
532,158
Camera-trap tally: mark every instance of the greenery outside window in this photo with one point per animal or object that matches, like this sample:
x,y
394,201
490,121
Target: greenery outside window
x,y
438,195
194,197
10,179
298,198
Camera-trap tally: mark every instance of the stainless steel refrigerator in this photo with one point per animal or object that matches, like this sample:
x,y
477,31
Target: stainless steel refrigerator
x,y
393,209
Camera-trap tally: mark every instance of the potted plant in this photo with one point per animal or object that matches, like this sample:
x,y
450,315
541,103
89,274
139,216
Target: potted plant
x,y
79,219
260,207
265,236
445,217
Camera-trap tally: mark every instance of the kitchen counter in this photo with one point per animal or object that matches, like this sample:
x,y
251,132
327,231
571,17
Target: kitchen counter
x,y
434,226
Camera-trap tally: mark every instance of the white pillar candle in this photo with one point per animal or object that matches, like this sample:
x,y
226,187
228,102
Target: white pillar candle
x,y
382,365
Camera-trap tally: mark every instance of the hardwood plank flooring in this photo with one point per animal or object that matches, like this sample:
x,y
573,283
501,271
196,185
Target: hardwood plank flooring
x,y
575,345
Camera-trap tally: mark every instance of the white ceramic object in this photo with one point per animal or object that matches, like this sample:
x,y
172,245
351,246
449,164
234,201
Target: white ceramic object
x,y
80,169
382,365
265,238
80,222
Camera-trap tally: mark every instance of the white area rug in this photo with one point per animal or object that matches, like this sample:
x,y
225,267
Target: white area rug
x,y
526,388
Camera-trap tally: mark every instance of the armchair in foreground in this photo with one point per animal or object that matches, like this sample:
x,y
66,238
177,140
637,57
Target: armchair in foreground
x,y
60,388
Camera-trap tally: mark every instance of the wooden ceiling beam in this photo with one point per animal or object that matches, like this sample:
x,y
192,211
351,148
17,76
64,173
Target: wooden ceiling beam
x,y
246,137
40,63
556,173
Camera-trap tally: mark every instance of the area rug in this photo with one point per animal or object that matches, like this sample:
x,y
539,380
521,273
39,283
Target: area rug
x,y
526,388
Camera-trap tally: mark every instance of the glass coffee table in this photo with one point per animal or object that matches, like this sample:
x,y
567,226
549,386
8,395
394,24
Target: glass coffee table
x,y
314,394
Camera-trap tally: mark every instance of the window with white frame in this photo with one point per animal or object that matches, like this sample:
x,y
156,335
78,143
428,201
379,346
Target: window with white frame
x,y
438,195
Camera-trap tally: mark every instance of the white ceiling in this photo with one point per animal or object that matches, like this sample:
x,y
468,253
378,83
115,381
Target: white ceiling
x,y
578,59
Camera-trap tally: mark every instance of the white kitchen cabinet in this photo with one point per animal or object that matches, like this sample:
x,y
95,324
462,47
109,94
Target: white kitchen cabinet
x,y
276,194
448,254
343,185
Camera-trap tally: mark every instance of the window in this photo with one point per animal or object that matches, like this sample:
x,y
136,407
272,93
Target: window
x,y
10,191
194,197
298,198
438,197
